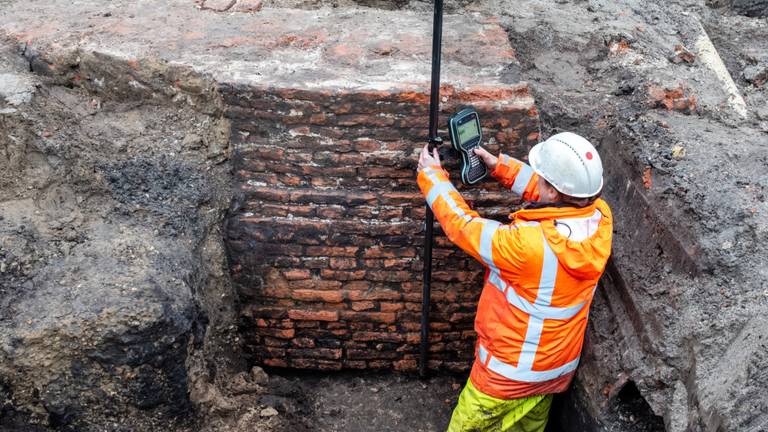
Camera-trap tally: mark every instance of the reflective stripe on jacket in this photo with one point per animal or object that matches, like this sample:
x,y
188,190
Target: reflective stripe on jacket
x,y
542,270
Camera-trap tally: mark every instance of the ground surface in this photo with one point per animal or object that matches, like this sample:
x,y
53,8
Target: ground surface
x,y
355,402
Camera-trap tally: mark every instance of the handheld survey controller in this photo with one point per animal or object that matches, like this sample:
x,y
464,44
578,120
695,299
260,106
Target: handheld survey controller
x,y
466,134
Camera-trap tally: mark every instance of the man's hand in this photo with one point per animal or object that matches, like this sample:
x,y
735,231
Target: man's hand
x,y
427,160
488,159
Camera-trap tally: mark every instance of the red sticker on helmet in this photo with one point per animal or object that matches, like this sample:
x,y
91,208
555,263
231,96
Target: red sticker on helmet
x,y
589,155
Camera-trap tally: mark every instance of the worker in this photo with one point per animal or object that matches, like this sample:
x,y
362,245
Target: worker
x,y
542,270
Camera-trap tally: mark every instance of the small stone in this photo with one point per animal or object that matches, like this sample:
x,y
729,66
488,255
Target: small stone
x,y
16,89
248,6
259,376
192,141
268,412
218,5
682,54
678,152
374,389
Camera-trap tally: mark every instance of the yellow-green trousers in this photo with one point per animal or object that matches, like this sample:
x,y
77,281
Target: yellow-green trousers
x,y
478,412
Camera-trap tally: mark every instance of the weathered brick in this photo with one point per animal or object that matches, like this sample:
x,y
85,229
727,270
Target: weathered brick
x,y
362,305
374,294
311,262
331,212
434,347
316,284
265,193
462,317
381,317
355,364
405,365
274,342
378,336
412,306
382,252
331,197
366,354
390,307
411,326
357,285
306,324
365,145
296,274
328,342
439,326
360,325
413,338
340,275
313,363
309,315
303,342
342,263
389,275
275,362
317,295
331,251
324,353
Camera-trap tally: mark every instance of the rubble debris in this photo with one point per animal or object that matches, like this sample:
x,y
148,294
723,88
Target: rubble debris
x,y
682,54
678,152
647,178
676,98
248,6
756,75
619,44
268,412
218,5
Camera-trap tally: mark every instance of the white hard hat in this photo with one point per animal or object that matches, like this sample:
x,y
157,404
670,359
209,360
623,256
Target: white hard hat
x,y
570,163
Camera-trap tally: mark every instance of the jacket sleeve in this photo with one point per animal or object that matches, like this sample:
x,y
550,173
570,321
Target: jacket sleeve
x,y
486,240
517,176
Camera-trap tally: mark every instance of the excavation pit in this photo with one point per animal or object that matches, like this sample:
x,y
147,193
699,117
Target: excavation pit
x,y
189,193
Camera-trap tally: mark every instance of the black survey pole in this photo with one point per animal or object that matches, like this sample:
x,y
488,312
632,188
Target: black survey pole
x,y
434,140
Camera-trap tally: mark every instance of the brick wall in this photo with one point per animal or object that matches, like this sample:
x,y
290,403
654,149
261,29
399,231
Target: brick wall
x,y
326,241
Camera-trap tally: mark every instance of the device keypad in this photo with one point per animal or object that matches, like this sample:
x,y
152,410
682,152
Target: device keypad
x,y
476,167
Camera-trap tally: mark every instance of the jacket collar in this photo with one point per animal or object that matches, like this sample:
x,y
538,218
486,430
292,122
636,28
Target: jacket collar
x,y
548,211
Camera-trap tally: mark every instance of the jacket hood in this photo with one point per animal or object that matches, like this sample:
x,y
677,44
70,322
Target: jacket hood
x,y
585,259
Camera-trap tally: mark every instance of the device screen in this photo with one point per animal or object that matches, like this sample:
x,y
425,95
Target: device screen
x,y
468,131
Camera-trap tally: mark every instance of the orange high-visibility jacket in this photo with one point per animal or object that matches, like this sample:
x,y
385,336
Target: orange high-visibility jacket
x,y
542,270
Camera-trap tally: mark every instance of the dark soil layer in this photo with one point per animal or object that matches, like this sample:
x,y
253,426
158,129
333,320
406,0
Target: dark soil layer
x,y
353,401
